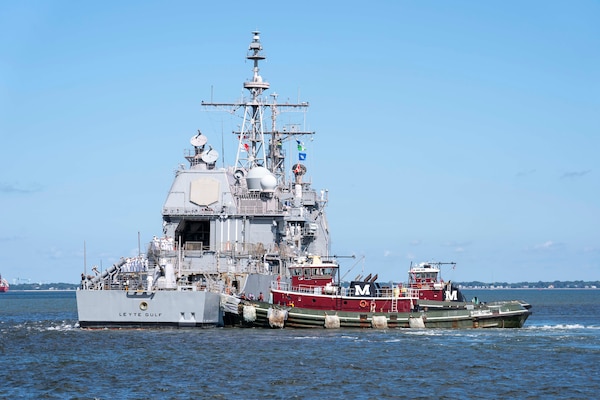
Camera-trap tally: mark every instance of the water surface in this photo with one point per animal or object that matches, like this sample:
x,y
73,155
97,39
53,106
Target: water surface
x,y
46,355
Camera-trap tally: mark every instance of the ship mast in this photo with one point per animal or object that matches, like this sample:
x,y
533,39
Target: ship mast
x,y
252,149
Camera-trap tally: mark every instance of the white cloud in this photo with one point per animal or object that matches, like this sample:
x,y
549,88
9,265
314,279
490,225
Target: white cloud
x,y
547,245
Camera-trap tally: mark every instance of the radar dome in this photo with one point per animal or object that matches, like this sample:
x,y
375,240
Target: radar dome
x,y
268,182
254,178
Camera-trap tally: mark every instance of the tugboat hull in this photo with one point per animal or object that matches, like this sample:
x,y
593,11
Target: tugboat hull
x,y
506,315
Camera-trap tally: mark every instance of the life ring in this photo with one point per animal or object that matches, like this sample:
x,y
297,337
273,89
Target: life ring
x,y
419,286
362,304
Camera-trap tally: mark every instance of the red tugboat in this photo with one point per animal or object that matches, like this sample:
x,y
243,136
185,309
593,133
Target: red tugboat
x,y
426,279
313,285
3,285
314,298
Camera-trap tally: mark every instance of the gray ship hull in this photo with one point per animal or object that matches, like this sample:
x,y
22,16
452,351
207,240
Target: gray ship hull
x,y
137,309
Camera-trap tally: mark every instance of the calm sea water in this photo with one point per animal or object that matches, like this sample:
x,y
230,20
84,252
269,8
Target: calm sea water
x,y
44,355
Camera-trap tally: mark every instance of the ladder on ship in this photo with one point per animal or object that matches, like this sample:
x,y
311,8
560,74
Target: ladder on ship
x,y
394,307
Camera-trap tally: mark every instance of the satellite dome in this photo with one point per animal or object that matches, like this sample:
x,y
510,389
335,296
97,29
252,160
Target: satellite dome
x,y
254,178
268,182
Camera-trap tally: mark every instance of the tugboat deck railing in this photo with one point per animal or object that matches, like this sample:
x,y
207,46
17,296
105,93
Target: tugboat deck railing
x,y
394,293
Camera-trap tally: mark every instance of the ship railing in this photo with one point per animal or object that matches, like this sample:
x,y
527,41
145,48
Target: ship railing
x,y
309,289
404,292
222,263
192,245
128,282
188,211
395,292
198,248
242,249
128,267
386,292
260,210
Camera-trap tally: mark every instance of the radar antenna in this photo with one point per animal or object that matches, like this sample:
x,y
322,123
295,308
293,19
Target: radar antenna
x,y
252,149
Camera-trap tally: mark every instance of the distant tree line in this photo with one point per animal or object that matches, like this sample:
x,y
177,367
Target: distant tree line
x,y
472,284
535,285
43,286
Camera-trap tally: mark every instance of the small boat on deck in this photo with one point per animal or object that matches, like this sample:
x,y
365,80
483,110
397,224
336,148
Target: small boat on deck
x,y
316,298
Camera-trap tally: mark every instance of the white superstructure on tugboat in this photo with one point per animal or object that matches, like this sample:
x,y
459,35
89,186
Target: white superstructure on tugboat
x,y
227,232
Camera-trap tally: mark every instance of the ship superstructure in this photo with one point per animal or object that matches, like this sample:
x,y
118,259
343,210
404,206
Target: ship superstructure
x,y
245,218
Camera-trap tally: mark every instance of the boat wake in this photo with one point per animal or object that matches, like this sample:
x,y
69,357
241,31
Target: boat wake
x,y
42,326
563,327
62,327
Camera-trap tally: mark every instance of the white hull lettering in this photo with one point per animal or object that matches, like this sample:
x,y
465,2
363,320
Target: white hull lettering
x,y
139,314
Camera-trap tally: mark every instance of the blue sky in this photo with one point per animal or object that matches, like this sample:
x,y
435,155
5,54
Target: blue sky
x,y
449,131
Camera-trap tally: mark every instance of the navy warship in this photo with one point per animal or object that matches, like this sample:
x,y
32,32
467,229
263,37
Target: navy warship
x,y
228,231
